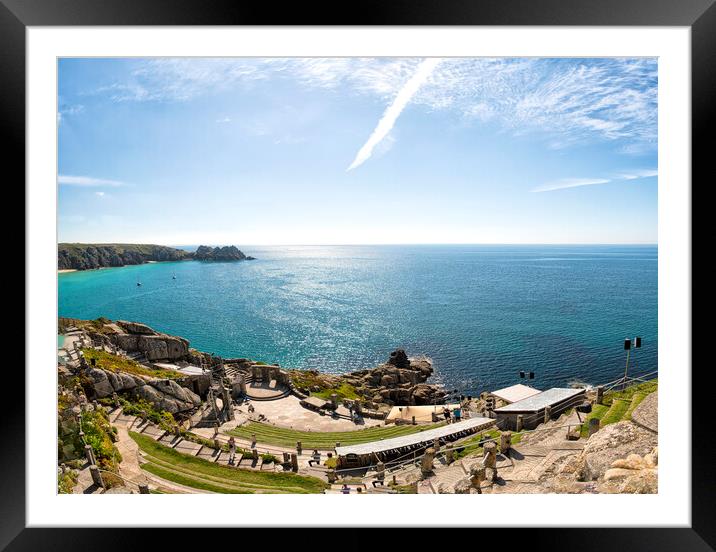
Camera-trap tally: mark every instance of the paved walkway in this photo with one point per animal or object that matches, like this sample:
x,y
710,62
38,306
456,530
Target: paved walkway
x,y
288,412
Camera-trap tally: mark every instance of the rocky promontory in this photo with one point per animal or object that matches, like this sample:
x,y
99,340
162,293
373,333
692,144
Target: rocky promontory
x,y
227,253
86,256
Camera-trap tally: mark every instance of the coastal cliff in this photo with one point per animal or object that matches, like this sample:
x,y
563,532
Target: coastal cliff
x,y
84,256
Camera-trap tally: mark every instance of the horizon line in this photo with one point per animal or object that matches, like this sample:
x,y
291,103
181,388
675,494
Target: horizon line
x,y
350,244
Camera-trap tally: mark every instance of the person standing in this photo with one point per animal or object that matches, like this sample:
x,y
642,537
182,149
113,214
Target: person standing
x,y
232,450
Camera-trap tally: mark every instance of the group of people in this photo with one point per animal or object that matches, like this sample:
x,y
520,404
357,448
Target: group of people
x,y
452,416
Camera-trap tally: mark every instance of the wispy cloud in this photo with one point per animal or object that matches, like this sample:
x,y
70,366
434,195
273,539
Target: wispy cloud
x,y
87,181
565,101
394,110
66,110
634,174
565,183
223,120
100,194
570,183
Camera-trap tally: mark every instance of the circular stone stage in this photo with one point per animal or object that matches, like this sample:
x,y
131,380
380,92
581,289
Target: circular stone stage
x,y
265,391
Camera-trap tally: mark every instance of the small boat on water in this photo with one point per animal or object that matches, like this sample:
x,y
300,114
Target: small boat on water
x,y
174,276
139,283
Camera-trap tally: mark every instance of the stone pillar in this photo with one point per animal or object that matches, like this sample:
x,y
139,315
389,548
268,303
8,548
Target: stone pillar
x,y
357,408
450,456
505,442
547,413
433,417
593,426
380,471
520,423
294,462
96,476
299,447
253,440
600,394
334,400
436,444
477,476
143,489
89,454
490,454
217,444
426,465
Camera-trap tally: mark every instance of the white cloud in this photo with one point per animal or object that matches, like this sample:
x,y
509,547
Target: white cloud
x,y
223,120
634,174
578,182
99,194
570,183
87,181
568,101
394,110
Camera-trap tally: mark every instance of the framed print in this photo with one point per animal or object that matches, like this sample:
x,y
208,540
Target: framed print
x,y
434,255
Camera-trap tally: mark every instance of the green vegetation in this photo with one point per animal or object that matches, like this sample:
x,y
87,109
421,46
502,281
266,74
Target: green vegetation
x,y
139,407
66,482
344,391
282,436
100,435
197,473
618,405
323,385
405,489
98,325
114,363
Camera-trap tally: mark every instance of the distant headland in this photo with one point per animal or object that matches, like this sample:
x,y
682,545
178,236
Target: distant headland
x,y
87,256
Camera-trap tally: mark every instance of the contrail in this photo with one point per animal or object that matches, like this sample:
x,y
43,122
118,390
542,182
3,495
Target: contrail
x,y
391,114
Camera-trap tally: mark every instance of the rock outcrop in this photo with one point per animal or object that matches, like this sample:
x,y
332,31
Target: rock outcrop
x,y
227,253
162,393
135,337
399,381
612,443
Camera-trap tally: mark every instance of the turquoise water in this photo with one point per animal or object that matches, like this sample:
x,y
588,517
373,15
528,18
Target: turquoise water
x,y
482,313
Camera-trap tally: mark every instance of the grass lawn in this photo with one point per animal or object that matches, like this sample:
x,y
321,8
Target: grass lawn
x,y
197,473
272,435
619,405
114,363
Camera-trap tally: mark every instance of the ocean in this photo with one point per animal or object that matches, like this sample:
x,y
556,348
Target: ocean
x,y
481,313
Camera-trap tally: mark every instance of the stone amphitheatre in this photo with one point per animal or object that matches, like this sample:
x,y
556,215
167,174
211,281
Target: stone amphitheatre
x,y
142,412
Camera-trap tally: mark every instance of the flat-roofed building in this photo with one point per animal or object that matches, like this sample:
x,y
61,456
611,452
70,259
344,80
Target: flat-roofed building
x,y
532,409
366,454
514,393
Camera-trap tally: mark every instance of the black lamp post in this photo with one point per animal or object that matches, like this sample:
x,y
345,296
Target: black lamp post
x,y
636,342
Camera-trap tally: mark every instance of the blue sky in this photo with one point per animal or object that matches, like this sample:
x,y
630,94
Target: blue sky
x,y
357,150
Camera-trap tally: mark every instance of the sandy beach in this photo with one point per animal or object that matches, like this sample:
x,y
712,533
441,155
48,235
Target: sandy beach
x,y
63,270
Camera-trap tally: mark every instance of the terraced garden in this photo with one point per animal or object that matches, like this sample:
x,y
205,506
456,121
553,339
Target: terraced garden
x,y
200,474
281,436
619,405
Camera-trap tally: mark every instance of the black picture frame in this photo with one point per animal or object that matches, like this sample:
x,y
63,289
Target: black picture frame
x,y
699,15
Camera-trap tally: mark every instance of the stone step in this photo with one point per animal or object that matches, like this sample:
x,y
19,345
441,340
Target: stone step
x,y
187,447
207,453
153,431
